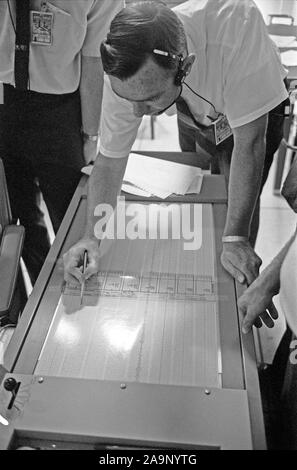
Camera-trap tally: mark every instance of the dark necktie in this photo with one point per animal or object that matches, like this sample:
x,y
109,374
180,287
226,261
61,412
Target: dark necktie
x,y
22,41
204,135
186,115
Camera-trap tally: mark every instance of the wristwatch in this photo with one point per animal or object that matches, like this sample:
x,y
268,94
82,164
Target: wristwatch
x,y
92,138
234,238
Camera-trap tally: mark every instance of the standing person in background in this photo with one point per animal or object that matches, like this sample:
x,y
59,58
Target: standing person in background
x,y
49,125
279,380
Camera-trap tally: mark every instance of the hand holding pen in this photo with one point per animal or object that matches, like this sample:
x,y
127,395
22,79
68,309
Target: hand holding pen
x,y
82,260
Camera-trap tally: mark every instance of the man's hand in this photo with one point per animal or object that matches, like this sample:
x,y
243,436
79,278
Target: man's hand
x,y
256,306
90,151
73,260
241,261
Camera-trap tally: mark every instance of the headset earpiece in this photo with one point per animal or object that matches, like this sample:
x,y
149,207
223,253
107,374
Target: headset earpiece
x,y
179,78
181,74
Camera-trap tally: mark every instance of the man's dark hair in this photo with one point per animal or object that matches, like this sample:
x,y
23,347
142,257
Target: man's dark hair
x,y
135,32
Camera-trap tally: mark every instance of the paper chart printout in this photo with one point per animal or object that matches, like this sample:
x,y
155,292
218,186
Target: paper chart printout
x,y
157,285
150,316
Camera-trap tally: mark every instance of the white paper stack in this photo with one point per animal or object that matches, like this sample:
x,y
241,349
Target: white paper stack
x,y
147,176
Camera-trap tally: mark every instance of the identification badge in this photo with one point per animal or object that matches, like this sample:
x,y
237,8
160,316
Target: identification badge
x,y
222,129
42,28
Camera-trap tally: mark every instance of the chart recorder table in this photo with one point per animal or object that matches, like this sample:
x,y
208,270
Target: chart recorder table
x,y
153,357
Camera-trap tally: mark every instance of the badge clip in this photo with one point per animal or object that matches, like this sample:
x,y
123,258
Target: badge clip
x,y
43,6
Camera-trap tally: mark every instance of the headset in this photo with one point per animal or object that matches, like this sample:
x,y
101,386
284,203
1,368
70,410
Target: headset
x,y
181,74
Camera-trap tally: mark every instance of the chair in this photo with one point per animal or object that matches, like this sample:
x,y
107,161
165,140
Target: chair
x,y
284,26
12,288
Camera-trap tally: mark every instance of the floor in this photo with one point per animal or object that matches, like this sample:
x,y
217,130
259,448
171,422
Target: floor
x,y
277,223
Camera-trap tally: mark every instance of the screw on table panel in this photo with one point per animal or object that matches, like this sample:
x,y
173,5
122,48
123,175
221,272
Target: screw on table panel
x,y
40,380
10,384
207,392
123,386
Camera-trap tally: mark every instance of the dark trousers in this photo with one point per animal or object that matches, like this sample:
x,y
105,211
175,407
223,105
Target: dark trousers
x,y
221,161
274,135
41,147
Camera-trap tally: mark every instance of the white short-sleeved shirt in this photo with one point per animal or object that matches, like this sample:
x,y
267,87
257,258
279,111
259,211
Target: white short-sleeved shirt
x,y
237,68
79,26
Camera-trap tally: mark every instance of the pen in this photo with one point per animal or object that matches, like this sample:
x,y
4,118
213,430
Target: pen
x,y
82,287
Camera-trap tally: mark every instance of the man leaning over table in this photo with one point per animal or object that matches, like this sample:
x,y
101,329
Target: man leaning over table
x,y
215,60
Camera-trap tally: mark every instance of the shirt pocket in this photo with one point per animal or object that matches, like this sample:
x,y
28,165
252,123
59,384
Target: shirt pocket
x,y
55,9
68,34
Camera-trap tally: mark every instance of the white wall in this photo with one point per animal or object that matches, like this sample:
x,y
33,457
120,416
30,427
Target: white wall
x,y
288,7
